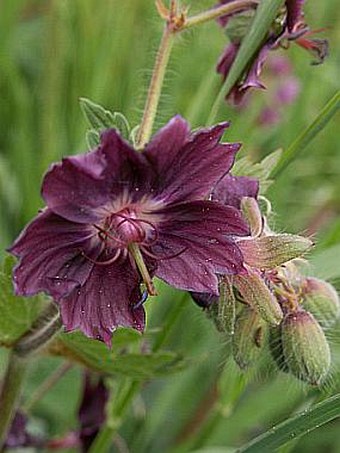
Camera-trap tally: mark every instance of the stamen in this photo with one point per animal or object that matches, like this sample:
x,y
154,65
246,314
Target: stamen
x,y
113,238
103,263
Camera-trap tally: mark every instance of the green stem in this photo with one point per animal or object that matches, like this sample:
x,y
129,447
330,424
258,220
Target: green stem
x,y
124,398
42,330
47,385
154,92
214,13
10,393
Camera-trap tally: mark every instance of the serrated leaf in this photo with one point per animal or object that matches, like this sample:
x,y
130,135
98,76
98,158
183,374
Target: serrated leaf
x,y
16,313
100,119
122,124
92,138
260,170
97,117
98,357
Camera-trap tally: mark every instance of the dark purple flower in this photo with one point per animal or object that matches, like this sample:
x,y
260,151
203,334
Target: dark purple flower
x,y
292,28
92,410
116,217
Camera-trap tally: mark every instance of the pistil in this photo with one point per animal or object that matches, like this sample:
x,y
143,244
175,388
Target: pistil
x,y
139,260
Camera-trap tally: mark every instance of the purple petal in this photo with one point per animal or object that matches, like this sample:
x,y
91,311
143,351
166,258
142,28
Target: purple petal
x,y
227,59
231,189
294,13
51,255
127,169
76,186
197,167
207,217
166,145
104,302
193,245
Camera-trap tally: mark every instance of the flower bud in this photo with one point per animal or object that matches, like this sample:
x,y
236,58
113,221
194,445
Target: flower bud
x,y
222,308
305,348
248,337
256,294
268,252
251,212
321,299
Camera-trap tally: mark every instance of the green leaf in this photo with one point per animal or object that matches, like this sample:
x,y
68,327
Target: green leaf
x,y
92,138
100,119
97,356
326,114
294,427
264,17
16,313
326,263
260,170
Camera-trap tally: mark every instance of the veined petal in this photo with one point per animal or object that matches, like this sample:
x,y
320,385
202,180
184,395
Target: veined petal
x,y
104,302
127,171
202,217
196,263
199,165
51,251
76,186
166,145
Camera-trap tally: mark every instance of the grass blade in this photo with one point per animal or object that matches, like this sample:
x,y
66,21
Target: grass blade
x,y
308,134
294,427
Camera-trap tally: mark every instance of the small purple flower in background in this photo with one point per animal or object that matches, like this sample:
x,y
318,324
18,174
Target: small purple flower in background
x,y
116,217
289,27
283,90
19,435
92,410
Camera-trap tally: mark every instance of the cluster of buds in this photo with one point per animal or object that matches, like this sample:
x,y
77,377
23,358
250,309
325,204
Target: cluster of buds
x,y
272,306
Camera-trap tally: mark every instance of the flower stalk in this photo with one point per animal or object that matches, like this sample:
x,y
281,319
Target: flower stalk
x,y
215,13
155,87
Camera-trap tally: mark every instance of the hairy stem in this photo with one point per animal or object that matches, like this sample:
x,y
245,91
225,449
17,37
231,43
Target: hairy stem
x,y
42,330
154,92
10,393
214,13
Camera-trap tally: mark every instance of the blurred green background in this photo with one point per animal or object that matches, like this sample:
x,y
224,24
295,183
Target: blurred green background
x,y
54,52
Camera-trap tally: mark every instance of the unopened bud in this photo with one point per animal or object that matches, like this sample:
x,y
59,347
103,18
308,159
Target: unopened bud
x,y
305,348
321,299
221,309
268,252
251,211
248,337
256,294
